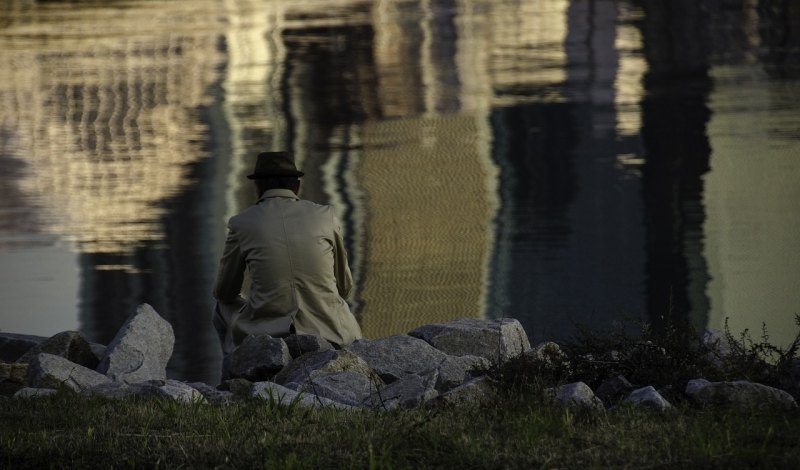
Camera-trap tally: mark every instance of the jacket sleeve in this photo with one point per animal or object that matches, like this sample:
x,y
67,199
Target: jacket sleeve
x,y
231,269
344,279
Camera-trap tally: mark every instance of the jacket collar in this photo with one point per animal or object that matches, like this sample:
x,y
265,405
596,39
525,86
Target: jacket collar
x,y
270,193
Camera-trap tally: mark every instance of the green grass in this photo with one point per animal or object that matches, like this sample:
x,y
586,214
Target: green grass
x,y
517,431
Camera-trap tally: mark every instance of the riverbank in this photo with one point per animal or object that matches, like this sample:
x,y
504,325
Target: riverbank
x,y
674,398
518,430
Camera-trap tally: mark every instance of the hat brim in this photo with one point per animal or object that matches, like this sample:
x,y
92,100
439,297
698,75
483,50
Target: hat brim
x,y
256,176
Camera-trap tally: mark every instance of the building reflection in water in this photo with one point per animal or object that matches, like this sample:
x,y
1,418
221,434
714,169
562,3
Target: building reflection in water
x,y
553,161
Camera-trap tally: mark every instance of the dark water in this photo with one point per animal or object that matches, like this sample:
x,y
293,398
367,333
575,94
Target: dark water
x,y
555,161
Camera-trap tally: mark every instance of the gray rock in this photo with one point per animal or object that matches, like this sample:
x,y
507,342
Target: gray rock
x,y
171,389
302,344
299,371
48,371
14,345
279,395
213,395
396,356
410,391
349,388
744,395
455,370
648,397
497,340
578,394
614,390
241,388
113,390
166,389
694,386
258,358
141,349
12,378
28,392
70,345
474,392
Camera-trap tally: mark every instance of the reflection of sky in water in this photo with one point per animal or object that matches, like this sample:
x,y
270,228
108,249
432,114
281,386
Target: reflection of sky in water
x,y
552,161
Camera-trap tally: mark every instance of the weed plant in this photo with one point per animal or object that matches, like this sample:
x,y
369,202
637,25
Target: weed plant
x,y
666,359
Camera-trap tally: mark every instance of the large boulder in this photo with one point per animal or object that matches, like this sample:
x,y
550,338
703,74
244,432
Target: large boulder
x,y
12,378
302,344
258,358
70,345
279,395
396,356
648,397
742,395
407,392
299,371
497,340
14,345
140,350
49,371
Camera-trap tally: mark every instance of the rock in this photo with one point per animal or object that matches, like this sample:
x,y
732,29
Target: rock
x,y
70,345
396,356
496,340
347,387
648,397
472,392
258,358
140,350
171,389
113,390
12,378
743,395
241,388
302,344
578,394
614,390
299,371
410,391
212,395
693,386
28,392
14,345
168,389
48,371
279,395
455,370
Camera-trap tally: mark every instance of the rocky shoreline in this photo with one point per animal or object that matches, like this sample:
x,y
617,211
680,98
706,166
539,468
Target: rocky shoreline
x,y
433,365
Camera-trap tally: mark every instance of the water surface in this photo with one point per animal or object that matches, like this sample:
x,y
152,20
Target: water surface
x,y
555,161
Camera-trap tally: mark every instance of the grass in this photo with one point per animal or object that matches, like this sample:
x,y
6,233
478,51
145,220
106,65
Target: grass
x,y
517,431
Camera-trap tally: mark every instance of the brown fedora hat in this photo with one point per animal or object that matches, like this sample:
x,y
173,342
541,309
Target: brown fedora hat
x,y
274,164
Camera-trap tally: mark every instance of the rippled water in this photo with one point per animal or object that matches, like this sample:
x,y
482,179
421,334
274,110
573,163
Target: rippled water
x,y
554,161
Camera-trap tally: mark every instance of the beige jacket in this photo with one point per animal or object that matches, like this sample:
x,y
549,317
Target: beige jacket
x,y
295,256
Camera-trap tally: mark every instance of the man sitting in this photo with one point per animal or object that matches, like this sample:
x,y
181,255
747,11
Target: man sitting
x,y
295,255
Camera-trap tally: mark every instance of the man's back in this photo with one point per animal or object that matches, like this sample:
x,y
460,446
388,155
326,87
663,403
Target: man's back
x,y
294,253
